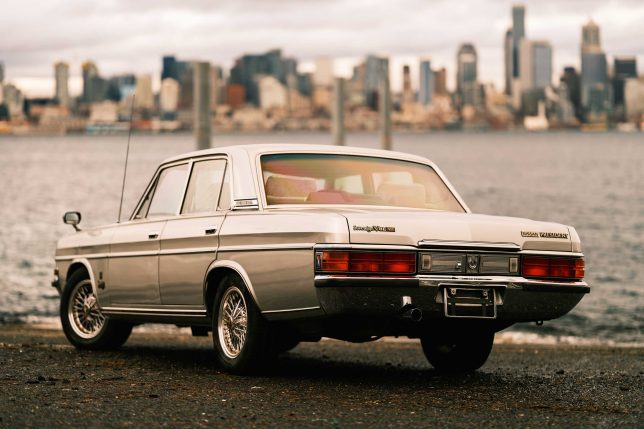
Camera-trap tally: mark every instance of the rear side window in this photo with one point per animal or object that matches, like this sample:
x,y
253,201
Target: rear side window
x,y
204,192
169,190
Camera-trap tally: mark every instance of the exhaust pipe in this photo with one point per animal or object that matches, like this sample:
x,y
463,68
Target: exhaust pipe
x,y
409,311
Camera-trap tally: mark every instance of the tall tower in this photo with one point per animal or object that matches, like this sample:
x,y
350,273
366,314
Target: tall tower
x,y
61,73
518,33
467,74
408,92
595,91
508,58
426,87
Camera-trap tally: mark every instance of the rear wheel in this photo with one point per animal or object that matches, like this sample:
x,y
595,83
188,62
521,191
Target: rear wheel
x,y
84,324
241,335
460,351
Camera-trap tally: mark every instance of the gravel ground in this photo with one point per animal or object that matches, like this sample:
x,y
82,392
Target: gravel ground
x,y
167,379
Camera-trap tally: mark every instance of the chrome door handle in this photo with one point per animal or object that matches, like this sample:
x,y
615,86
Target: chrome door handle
x,y
211,230
153,235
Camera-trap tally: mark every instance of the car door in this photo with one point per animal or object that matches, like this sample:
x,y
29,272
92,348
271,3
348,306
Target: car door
x,y
133,267
189,242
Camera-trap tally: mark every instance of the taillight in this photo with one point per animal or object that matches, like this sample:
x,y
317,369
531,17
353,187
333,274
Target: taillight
x,y
552,267
366,262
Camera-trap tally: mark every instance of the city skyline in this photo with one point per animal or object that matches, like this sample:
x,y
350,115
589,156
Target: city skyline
x,y
198,30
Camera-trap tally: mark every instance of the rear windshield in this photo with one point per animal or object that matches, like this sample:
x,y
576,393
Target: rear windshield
x,y
347,179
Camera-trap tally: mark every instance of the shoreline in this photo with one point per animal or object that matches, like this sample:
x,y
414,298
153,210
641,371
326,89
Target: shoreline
x,y
162,379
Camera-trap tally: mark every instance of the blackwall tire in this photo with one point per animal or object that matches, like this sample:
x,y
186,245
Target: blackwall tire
x,y
241,336
83,323
461,351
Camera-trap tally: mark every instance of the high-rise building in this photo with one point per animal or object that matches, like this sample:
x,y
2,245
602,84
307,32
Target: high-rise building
x,y
376,69
426,87
595,91
169,68
169,98
94,86
467,88
250,67
535,65
572,81
407,90
61,73
144,96
440,81
121,86
323,75
623,68
518,33
508,58
1,72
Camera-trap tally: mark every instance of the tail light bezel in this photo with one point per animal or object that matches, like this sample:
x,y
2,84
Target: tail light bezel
x,y
546,267
366,262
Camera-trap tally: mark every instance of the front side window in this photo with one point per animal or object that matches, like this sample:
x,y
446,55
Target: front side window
x,y
349,179
168,192
205,192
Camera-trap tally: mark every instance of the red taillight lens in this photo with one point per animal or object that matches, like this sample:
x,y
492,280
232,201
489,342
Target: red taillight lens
x,y
552,267
367,262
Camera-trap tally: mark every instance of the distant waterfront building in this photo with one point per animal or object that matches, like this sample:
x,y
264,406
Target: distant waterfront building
x,y
144,96
169,68
467,88
536,64
305,84
634,99
572,80
272,94
61,74
169,98
94,86
235,95
323,75
426,87
1,72
623,68
595,91
376,69
508,59
14,100
121,86
407,90
440,81
518,33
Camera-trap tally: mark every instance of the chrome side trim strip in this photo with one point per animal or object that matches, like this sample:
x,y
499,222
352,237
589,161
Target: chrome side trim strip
x,y
258,247
154,311
290,310
438,244
188,251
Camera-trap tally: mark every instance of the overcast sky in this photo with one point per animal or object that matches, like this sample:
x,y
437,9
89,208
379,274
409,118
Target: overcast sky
x,y
132,35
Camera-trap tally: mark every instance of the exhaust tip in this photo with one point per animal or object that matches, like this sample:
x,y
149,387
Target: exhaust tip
x,y
416,314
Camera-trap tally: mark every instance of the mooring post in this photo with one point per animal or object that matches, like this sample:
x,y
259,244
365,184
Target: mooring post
x,y
337,112
384,98
201,95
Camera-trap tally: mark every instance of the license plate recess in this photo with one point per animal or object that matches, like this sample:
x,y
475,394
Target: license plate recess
x,y
469,302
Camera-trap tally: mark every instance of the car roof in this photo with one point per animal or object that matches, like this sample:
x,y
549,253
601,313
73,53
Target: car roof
x,y
253,150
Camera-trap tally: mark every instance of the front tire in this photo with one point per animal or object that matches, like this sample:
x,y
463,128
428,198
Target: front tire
x,y
458,351
241,336
84,324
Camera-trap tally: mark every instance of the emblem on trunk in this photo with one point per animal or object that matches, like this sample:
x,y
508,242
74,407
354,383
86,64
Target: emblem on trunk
x,y
377,228
544,234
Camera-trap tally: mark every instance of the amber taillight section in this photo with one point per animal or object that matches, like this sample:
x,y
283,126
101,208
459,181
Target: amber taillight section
x,y
552,267
366,262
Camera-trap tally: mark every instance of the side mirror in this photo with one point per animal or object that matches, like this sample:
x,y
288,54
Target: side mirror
x,y
73,219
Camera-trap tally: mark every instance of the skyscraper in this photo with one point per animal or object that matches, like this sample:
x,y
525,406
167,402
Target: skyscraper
x,y
1,72
467,88
94,87
440,81
408,92
169,68
376,69
323,75
623,68
61,73
536,64
508,58
572,81
595,91
518,33
426,87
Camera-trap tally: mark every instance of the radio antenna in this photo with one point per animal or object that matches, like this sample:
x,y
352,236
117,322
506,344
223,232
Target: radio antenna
x,y
127,155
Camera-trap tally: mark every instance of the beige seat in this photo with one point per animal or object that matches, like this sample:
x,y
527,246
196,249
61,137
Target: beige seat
x,y
288,189
411,195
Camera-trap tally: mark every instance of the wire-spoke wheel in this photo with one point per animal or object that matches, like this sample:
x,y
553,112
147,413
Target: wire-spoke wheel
x,y
84,323
242,338
84,315
232,322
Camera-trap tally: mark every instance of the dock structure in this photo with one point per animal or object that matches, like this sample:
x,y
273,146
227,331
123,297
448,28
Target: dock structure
x,y
337,112
202,110
384,99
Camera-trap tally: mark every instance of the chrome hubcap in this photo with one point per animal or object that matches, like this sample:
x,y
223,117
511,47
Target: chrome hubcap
x,y
232,322
84,315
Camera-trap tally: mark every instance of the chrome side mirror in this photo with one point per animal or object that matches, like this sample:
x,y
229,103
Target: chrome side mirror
x,y
73,219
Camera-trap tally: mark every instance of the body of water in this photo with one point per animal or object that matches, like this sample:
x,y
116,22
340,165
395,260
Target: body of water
x,y
594,182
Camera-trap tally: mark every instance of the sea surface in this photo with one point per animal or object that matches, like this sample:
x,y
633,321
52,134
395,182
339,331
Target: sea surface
x,y
594,182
